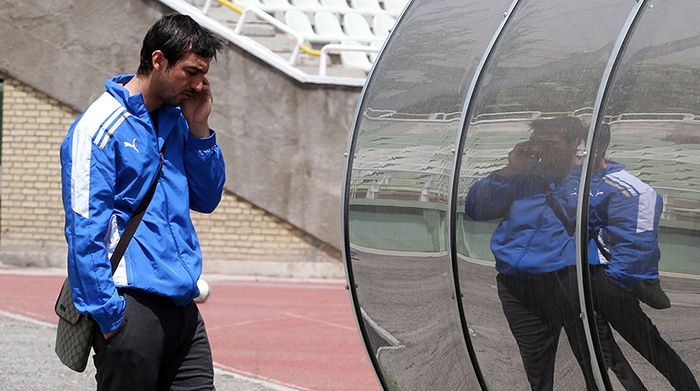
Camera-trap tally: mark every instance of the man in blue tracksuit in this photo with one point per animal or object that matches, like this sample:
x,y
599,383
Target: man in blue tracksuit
x,y
535,252
150,333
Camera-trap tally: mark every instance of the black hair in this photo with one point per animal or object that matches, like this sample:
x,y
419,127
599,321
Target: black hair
x,y
603,136
601,143
569,127
177,36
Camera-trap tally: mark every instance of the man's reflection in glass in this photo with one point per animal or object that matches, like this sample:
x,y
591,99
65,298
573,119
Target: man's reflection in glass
x,y
623,223
535,252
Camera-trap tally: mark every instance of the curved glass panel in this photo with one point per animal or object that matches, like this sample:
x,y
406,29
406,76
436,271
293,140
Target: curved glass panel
x,y
398,191
519,176
644,203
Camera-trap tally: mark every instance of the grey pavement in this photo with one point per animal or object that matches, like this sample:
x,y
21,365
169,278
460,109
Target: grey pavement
x,y
28,363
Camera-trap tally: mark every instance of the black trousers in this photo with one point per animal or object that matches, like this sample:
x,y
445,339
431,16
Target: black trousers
x,y
537,308
159,347
621,308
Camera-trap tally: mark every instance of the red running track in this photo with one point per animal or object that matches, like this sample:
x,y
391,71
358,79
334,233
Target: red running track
x,y
299,334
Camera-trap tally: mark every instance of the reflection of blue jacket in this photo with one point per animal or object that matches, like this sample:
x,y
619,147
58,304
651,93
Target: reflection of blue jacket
x,y
530,239
625,212
109,158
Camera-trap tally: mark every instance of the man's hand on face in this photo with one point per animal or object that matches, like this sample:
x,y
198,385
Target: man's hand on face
x,y
521,159
197,108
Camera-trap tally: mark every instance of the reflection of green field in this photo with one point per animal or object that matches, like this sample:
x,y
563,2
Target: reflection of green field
x,y
392,228
420,227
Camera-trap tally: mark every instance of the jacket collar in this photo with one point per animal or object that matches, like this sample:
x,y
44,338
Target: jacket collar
x,y
136,105
612,166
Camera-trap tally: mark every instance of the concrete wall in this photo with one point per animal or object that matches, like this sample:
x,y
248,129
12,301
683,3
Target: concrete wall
x,y
283,141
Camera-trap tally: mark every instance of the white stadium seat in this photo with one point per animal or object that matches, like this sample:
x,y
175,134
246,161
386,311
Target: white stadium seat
x,y
394,7
327,25
356,27
357,60
337,6
277,5
249,3
265,5
298,21
308,5
370,7
375,44
382,25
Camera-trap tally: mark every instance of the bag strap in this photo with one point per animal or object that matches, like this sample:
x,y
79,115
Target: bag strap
x,y
136,218
569,226
601,247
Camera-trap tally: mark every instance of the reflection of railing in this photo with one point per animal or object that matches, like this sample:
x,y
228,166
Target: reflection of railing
x,y
665,117
494,117
411,117
377,114
417,185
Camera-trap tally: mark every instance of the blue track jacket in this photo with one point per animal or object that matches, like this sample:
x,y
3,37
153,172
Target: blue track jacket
x,y
532,239
108,160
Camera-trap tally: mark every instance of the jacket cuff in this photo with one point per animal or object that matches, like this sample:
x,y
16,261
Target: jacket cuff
x,y
107,320
202,143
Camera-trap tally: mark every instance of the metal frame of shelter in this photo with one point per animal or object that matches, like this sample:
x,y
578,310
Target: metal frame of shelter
x,y
586,309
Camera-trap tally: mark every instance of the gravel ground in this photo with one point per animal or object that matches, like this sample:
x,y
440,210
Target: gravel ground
x,y
28,363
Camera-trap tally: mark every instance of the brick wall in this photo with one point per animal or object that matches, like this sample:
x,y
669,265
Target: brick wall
x,y
33,126
31,215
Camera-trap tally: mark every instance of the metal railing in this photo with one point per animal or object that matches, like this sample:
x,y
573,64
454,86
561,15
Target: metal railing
x,y
277,24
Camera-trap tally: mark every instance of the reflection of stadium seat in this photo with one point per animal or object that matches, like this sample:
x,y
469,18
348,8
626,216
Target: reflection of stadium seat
x,y
673,169
356,27
382,25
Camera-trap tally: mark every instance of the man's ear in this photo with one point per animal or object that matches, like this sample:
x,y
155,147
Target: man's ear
x,y
158,60
574,144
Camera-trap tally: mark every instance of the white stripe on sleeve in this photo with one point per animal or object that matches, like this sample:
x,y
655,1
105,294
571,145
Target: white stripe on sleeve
x,y
81,151
647,198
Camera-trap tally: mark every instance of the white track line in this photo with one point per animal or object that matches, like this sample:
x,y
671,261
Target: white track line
x,y
244,323
32,271
275,385
340,326
26,319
